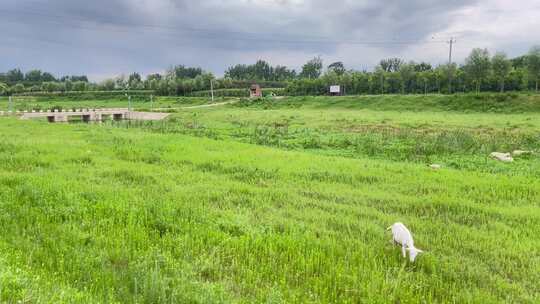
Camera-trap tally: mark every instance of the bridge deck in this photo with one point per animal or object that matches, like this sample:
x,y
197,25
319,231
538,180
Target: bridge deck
x,y
89,115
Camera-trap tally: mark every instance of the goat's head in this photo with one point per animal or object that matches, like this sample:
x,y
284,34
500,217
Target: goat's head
x,y
413,252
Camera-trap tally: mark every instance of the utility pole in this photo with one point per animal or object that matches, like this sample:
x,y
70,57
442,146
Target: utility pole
x,y
129,103
10,105
212,89
382,83
151,102
451,42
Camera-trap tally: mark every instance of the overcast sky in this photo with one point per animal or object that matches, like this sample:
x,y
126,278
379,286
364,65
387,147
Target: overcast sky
x,y
104,38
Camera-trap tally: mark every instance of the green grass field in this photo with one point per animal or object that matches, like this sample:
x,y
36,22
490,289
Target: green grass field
x,y
21,103
276,201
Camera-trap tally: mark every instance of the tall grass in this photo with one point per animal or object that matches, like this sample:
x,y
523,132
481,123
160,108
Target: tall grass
x,y
271,202
97,214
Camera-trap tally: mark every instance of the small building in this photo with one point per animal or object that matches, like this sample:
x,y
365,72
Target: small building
x,y
255,91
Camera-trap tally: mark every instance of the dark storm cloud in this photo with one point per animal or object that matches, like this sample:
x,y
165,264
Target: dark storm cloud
x,y
105,37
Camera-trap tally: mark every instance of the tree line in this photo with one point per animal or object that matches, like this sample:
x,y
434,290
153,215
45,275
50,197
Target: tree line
x,y
480,72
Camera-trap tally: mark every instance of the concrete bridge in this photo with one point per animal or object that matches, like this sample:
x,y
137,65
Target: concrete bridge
x,y
88,115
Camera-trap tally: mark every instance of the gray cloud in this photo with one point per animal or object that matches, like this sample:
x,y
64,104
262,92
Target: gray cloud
x,y
107,37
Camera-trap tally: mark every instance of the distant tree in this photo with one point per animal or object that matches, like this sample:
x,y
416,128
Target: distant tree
x,y
14,75
75,78
501,68
312,69
261,70
379,78
533,64
238,72
50,87
337,67
18,88
424,77
155,76
68,84
79,86
33,76
121,82
391,64
4,89
281,73
422,67
181,71
60,86
407,73
47,77
108,85
446,74
519,62
134,81
478,65
152,84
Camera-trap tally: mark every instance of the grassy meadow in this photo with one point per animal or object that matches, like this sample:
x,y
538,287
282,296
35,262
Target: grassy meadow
x,y
275,201
28,103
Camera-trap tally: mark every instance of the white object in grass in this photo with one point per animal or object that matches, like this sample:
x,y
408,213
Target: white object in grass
x,y
503,157
521,153
402,236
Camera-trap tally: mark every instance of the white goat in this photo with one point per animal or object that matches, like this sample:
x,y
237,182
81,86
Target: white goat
x,y
402,236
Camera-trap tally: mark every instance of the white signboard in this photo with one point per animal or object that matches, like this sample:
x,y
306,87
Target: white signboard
x,y
335,89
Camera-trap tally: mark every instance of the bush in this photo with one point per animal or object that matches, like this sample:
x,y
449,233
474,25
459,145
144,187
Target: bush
x,y
88,95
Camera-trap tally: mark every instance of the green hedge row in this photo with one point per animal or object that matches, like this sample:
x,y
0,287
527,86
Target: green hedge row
x,y
87,95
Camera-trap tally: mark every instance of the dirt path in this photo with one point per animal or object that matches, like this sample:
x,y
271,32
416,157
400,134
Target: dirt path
x,y
212,105
199,106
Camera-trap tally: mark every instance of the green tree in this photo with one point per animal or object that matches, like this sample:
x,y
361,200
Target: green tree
x,y
121,82
282,73
68,84
533,64
478,66
422,67
262,70
312,69
49,87
79,86
337,67
181,72
33,76
378,80
155,76
134,81
407,73
47,77
108,85
424,77
501,68
4,89
14,75
391,64
18,88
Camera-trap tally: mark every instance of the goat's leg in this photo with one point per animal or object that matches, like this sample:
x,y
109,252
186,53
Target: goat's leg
x,y
403,251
